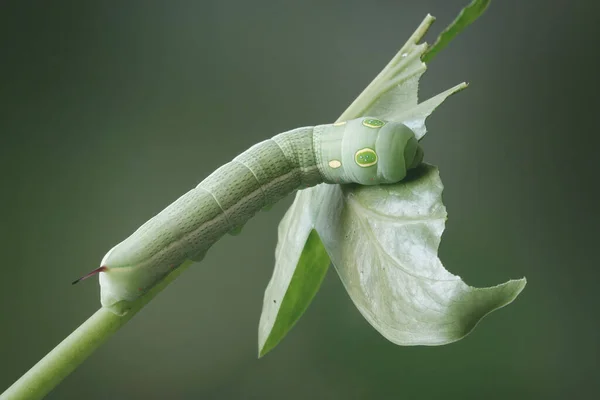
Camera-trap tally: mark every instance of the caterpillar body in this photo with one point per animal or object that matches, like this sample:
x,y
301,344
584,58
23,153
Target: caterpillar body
x,y
366,151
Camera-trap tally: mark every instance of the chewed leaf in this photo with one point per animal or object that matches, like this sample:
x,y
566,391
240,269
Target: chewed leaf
x,y
393,95
290,289
396,280
396,87
384,246
301,263
415,117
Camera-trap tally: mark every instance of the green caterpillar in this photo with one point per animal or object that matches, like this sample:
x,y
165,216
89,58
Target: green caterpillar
x,y
367,151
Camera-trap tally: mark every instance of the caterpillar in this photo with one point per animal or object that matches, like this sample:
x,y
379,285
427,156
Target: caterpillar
x,y
366,151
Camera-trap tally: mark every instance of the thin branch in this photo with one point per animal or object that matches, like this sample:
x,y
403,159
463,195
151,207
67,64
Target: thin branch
x,y
79,345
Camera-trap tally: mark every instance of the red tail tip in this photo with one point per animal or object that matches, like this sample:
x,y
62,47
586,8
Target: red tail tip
x,y
94,272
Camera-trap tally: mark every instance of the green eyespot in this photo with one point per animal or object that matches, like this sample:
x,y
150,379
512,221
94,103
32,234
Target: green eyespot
x,y
373,123
365,157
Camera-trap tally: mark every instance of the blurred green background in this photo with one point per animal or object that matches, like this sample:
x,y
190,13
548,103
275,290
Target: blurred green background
x,y
111,110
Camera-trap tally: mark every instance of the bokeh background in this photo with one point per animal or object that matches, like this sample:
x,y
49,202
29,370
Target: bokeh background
x,y
111,110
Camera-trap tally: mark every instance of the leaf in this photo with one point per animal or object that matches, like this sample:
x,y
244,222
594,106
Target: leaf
x,y
415,117
301,265
383,241
466,17
293,247
393,96
304,284
396,87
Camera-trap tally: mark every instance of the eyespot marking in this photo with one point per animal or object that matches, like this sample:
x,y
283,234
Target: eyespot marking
x,y
373,123
365,157
335,164
340,123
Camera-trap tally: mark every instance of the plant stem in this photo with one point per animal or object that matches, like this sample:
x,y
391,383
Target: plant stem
x,y
75,348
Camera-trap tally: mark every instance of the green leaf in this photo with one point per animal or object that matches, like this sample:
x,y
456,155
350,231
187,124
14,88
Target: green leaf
x,y
295,297
393,94
300,266
465,18
396,87
335,214
383,242
291,288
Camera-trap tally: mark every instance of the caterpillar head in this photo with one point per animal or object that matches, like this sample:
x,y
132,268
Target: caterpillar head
x,y
368,151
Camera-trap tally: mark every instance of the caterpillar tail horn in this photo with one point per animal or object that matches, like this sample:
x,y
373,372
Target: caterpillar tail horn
x,y
94,272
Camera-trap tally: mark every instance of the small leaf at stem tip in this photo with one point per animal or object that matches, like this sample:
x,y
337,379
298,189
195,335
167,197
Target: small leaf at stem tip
x,y
466,17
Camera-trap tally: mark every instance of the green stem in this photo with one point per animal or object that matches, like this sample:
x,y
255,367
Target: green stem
x,y
75,348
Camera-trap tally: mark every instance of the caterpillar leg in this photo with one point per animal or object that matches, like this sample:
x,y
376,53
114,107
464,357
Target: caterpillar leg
x,y
198,257
418,158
